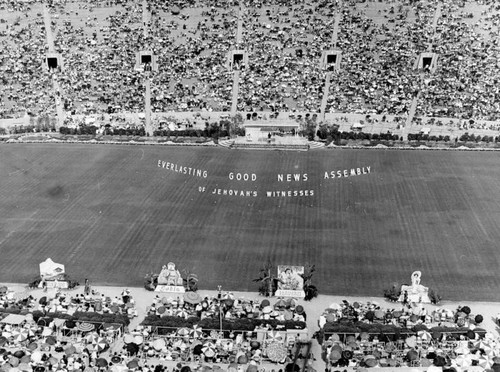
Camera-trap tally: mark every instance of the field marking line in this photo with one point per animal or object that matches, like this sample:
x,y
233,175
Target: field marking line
x,y
17,171
17,228
20,170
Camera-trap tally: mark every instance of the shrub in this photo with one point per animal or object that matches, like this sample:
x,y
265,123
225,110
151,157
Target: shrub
x,y
80,316
243,324
389,329
10,310
419,327
34,283
150,281
465,309
393,293
311,292
370,315
434,296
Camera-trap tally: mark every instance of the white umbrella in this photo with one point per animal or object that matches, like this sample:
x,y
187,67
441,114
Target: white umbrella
x,y
463,360
159,344
274,336
424,335
485,346
36,356
20,335
462,350
196,331
334,306
100,344
47,331
128,338
485,361
228,295
31,328
138,339
183,331
208,349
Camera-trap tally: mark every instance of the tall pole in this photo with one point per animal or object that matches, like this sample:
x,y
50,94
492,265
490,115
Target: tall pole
x,y
220,318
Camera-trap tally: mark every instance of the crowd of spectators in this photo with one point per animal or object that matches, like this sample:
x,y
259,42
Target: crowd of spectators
x,y
465,83
379,48
232,308
24,84
284,41
37,334
41,333
431,341
99,45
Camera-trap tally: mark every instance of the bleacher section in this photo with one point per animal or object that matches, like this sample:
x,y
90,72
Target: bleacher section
x,y
284,41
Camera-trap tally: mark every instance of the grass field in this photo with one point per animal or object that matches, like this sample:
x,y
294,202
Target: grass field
x,y
110,214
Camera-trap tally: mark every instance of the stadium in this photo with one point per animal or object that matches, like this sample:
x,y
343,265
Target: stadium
x,y
129,137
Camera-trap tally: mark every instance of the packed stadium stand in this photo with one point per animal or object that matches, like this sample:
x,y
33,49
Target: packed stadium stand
x,y
284,42
24,83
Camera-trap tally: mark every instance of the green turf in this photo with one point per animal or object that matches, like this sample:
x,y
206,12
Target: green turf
x,y
111,215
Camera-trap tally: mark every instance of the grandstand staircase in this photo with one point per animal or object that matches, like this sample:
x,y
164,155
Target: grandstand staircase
x,y
236,73
226,143
236,89
413,109
55,83
314,145
326,91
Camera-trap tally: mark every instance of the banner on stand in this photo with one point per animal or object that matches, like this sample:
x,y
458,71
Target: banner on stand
x,y
290,281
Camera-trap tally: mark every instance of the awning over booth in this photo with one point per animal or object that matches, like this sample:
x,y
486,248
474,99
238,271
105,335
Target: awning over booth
x,y
13,319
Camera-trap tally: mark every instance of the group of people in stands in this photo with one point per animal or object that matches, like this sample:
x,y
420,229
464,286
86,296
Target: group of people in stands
x,y
284,41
